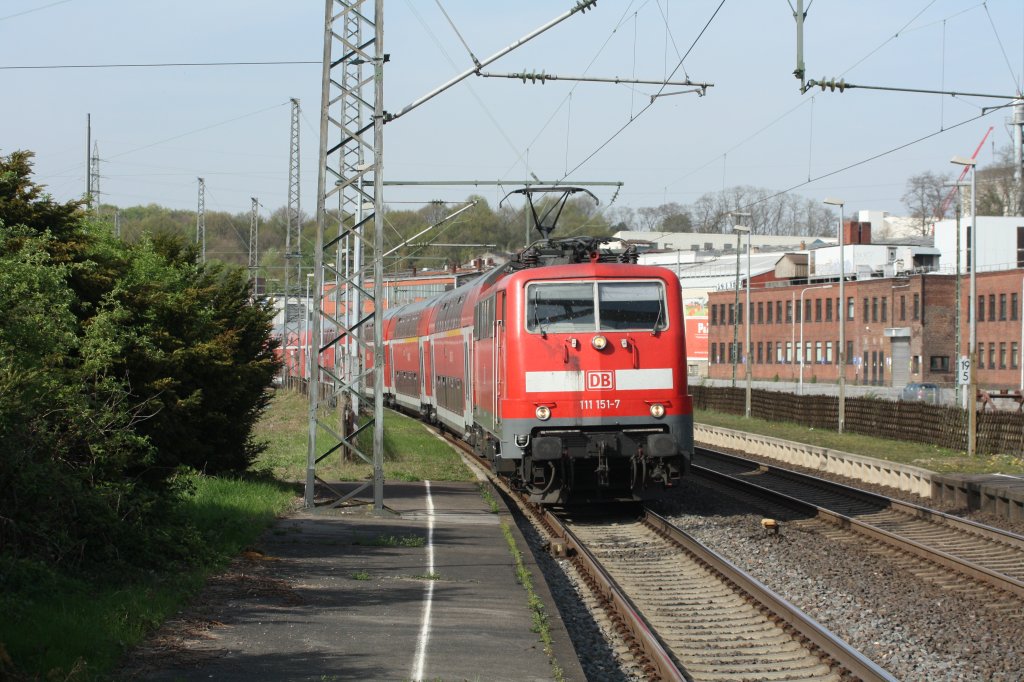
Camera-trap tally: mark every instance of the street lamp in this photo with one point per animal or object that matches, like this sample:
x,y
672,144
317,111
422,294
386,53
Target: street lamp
x,y
803,317
842,314
739,230
972,415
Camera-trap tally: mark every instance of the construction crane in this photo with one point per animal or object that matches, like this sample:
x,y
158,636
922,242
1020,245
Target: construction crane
x,y
956,186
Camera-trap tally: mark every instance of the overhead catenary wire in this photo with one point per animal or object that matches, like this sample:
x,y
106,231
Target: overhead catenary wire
x,y
653,98
152,65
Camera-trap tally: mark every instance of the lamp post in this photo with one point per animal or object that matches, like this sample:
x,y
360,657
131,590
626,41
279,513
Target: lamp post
x,y
842,314
747,365
739,230
803,317
972,401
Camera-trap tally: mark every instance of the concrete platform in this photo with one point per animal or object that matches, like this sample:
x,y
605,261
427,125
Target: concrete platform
x,y
427,591
998,494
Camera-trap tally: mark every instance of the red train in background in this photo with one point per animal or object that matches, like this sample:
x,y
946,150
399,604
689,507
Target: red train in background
x,y
565,368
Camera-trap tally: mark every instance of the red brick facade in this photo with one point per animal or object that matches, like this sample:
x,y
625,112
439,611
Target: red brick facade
x,y
911,319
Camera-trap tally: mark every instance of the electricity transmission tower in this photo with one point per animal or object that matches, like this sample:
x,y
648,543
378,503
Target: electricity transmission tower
x,y
201,220
254,226
292,255
94,177
350,155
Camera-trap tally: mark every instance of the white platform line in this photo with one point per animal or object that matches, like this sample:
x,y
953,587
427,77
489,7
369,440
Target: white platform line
x,y
428,598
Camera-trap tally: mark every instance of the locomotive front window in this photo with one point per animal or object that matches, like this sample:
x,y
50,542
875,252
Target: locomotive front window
x,y
561,307
631,305
595,306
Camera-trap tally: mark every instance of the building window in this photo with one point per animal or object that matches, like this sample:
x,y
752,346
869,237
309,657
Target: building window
x,y
770,307
1014,303
828,310
991,307
991,356
981,356
818,357
849,308
828,353
759,349
789,311
714,315
885,309
1002,306
874,309
867,310
732,313
817,310
760,312
1002,355
768,349
778,312
903,307
917,306
808,349
939,363
849,352
1014,357
789,351
798,311
915,364
980,312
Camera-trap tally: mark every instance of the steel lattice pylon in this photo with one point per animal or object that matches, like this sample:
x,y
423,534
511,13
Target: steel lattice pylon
x,y
292,260
254,240
348,316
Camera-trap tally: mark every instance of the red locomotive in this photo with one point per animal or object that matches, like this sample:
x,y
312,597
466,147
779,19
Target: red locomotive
x,y
565,368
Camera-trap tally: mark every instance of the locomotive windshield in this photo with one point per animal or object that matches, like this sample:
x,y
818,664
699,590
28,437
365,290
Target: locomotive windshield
x,y
559,307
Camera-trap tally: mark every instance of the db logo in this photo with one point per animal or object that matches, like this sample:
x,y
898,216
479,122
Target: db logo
x,y
600,381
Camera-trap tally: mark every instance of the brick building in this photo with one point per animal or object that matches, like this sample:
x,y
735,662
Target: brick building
x,y
899,329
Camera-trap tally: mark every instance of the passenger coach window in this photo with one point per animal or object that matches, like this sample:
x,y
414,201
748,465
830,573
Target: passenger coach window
x,y
570,307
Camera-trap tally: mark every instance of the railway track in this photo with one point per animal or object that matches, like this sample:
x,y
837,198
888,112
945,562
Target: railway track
x,y
685,612
709,618
983,555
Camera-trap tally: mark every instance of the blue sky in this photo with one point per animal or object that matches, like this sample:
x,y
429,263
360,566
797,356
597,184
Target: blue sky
x,y
158,129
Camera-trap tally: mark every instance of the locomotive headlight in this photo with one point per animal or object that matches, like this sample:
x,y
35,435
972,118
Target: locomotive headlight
x,y
657,410
543,413
599,342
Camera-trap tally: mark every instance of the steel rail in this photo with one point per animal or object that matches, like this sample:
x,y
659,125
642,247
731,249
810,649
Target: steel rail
x,y
958,564
824,639
654,649
653,654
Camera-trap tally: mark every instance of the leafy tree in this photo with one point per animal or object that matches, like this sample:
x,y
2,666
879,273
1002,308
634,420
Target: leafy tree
x,y
119,363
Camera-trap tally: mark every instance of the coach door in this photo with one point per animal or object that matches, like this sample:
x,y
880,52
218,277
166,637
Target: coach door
x,y
498,348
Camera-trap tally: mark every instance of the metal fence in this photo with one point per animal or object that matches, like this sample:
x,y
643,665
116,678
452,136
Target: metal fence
x,y
998,432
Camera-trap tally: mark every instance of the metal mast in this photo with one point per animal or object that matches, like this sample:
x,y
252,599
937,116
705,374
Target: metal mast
x,y
254,233
292,253
350,160
88,159
94,177
201,220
